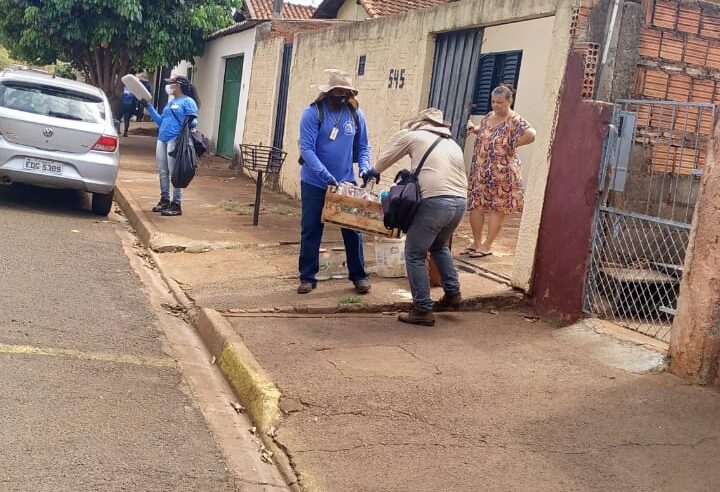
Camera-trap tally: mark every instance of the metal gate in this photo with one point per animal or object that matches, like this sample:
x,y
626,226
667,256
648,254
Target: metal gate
x,y
649,180
282,100
455,68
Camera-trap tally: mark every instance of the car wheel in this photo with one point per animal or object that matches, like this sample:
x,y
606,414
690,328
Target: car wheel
x,y
102,203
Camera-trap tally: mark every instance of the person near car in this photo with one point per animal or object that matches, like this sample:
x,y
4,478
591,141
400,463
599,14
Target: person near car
x,y
142,77
128,103
183,103
443,188
330,129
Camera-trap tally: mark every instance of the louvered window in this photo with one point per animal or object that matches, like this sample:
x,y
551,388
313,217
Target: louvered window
x,y
494,69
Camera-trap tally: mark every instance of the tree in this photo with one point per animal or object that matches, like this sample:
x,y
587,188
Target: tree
x,y
105,39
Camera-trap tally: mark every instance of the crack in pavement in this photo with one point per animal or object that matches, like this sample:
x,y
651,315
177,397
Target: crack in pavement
x,y
529,449
378,444
338,369
437,371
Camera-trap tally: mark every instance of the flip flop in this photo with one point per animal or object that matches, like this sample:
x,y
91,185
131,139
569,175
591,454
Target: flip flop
x,y
467,251
479,254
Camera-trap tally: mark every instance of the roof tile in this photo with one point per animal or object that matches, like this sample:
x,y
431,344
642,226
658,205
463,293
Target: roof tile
x,y
380,8
263,10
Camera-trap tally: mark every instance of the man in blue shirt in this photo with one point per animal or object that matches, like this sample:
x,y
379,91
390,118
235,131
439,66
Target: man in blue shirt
x,y
127,109
333,135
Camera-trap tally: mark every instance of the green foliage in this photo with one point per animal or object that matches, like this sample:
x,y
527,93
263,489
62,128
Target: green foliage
x,y
104,39
65,71
5,59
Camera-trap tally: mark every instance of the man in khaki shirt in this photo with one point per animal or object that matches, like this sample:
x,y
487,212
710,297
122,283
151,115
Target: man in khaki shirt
x,y
443,188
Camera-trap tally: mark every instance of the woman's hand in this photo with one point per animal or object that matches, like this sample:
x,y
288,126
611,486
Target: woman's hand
x,y
471,127
527,138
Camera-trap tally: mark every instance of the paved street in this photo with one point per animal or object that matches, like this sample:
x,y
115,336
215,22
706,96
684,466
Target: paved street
x,y
90,398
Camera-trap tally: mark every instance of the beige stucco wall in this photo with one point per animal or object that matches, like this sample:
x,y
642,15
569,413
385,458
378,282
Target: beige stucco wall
x,y
534,39
182,68
264,87
209,77
352,11
407,42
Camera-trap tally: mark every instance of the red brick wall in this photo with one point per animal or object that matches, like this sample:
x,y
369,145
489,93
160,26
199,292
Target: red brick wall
x,y
680,60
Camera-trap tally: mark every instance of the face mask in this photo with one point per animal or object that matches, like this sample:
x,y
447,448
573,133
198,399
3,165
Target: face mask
x,y
339,100
169,90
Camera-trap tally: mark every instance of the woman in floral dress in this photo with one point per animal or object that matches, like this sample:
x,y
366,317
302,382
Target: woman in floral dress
x,y
495,182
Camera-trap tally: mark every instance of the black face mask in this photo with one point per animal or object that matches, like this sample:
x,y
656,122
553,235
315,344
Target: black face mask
x,y
339,101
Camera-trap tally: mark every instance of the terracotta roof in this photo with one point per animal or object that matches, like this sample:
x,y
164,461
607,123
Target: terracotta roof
x,y
377,8
235,28
262,9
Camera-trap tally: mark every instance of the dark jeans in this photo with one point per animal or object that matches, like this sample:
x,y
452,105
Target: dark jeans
x,y
433,226
126,113
313,200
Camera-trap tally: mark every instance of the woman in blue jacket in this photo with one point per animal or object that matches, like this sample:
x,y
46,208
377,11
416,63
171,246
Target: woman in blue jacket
x,y
184,102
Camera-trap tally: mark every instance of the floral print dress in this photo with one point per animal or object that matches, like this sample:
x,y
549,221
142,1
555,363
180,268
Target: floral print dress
x,y
495,181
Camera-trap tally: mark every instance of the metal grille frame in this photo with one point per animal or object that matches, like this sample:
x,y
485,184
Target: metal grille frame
x,y
649,180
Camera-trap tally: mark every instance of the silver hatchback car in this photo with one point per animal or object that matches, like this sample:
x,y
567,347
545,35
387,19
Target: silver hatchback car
x,y
57,133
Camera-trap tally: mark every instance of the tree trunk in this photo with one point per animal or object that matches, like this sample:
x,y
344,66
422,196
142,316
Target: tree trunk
x,y
102,72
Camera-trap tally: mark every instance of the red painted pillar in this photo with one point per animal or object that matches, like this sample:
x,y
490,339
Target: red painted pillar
x,y
571,195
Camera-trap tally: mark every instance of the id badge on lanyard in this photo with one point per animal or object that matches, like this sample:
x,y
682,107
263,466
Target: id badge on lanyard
x,y
334,133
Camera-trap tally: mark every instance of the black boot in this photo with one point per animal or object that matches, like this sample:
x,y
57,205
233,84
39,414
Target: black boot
x,y
172,210
162,205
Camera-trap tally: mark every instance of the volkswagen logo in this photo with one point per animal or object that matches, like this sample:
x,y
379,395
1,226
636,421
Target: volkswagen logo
x,y
48,132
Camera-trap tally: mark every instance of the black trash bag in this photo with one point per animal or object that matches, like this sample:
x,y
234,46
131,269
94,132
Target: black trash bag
x,y
185,158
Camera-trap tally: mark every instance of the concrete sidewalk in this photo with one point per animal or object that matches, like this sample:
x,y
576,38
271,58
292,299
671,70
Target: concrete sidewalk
x,y
223,262
481,402
351,400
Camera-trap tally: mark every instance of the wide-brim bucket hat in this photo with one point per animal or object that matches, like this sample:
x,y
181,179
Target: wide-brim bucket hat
x,y
433,116
337,79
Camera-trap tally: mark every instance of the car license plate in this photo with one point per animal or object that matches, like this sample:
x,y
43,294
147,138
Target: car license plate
x,y
43,166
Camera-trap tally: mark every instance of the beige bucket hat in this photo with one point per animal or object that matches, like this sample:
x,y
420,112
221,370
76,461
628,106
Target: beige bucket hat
x,y
337,79
429,115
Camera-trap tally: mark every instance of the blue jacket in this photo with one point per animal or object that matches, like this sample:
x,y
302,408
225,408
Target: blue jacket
x,y
325,157
128,100
173,117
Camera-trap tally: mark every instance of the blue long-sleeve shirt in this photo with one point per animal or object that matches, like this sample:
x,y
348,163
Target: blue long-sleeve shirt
x,y
173,117
325,157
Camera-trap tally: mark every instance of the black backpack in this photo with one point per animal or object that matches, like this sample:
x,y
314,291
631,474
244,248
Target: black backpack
x,y
403,200
321,117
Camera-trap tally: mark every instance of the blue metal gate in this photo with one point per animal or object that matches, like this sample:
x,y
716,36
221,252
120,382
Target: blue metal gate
x,y
455,69
282,97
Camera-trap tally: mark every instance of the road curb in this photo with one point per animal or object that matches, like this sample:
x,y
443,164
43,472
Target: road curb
x,y
144,229
241,369
250,382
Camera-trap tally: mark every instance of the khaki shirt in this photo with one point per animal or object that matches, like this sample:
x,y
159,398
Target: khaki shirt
x,y
443,173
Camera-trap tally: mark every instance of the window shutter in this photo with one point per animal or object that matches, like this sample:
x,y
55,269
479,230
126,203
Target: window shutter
x,y
495,68
484,85
511,68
